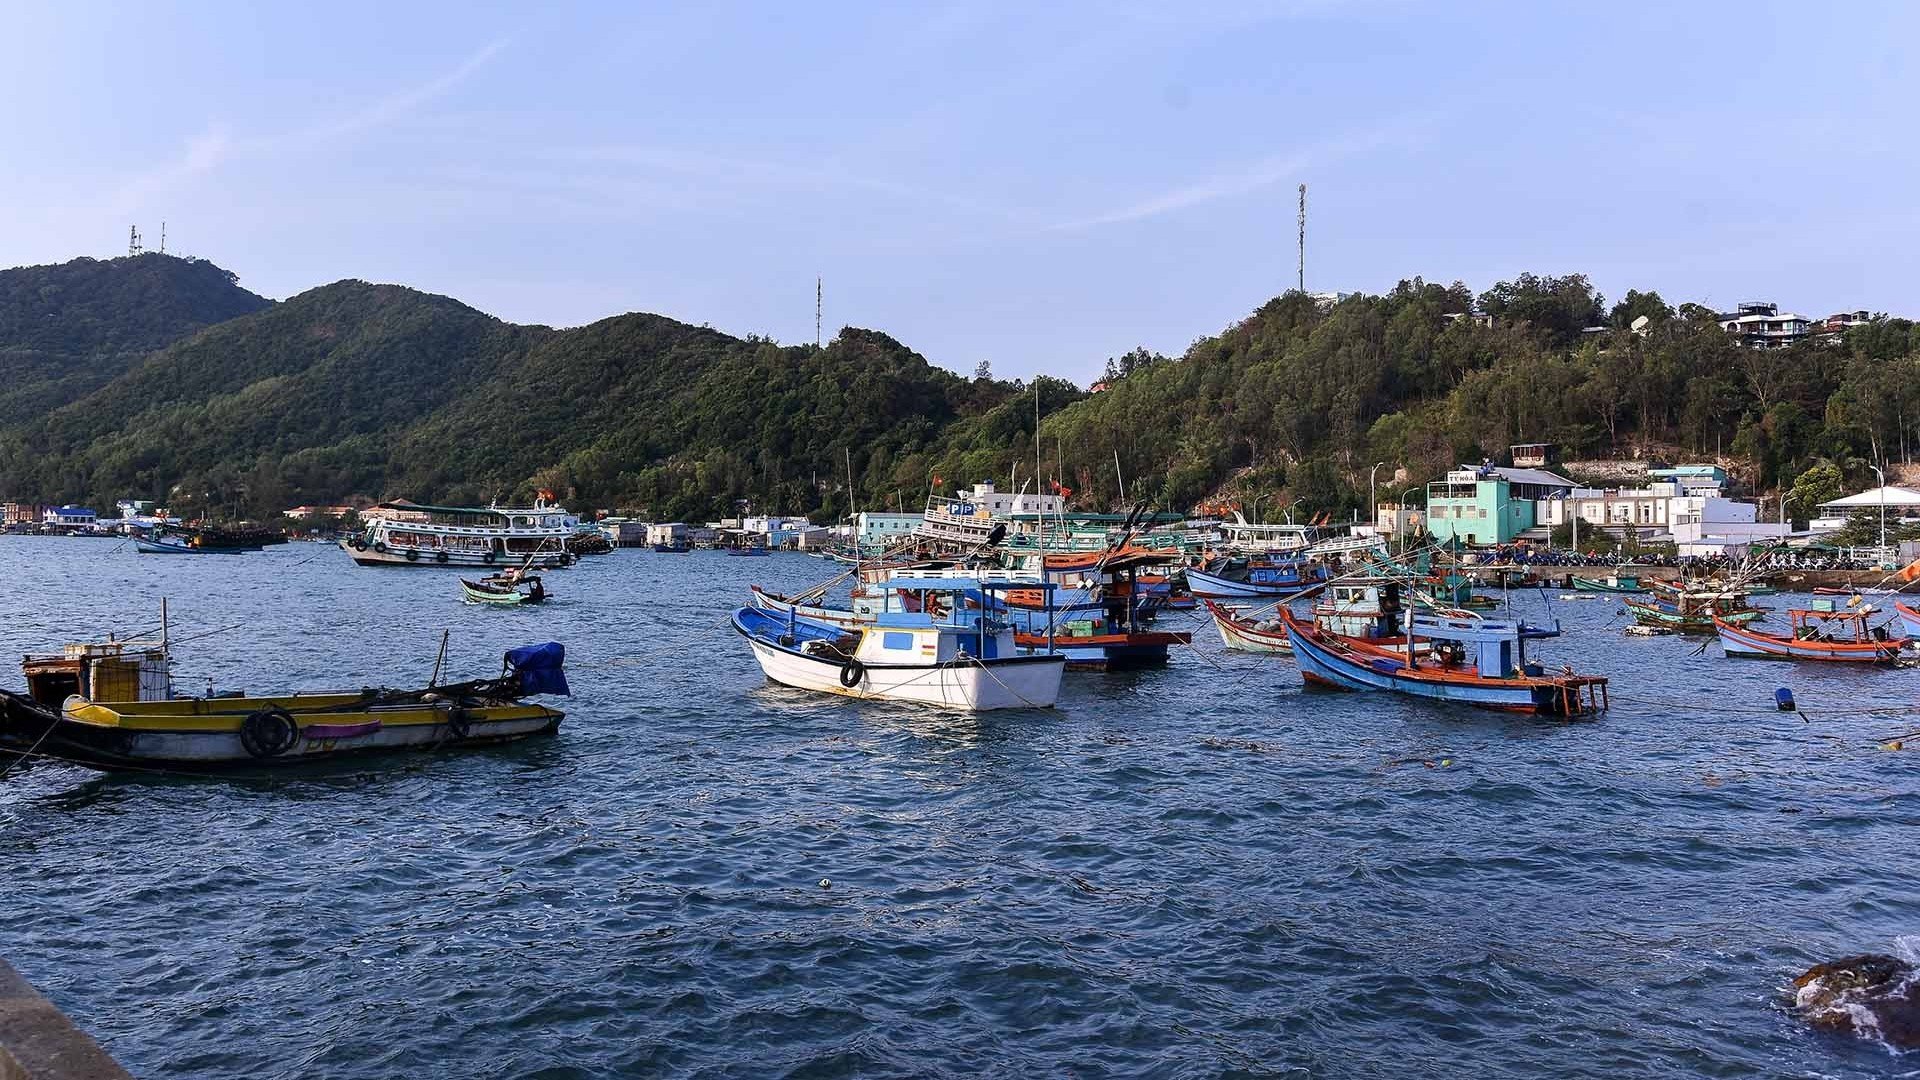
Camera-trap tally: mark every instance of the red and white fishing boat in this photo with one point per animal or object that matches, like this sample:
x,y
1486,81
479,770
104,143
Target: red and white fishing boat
x,y
1817,634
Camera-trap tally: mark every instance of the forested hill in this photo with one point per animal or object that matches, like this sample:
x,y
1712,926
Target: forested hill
x,y
359,390
67,329
354,389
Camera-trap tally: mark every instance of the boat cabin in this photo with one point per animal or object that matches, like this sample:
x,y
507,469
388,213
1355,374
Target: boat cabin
x,y
1823,622
113,671
1496,648
924,620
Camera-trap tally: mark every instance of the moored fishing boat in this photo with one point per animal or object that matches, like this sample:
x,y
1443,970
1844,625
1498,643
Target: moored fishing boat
x,y
1242,633
946,654
1909,618
408,534
746,552
111,706
1692,611
1611,583
1480,662
1816,634
680,548
1238,578
167,546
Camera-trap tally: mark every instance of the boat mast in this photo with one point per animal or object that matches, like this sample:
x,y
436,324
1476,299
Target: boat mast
x,y
1040,504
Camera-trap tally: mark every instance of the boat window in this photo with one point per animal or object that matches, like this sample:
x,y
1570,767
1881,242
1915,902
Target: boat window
x,y
894,639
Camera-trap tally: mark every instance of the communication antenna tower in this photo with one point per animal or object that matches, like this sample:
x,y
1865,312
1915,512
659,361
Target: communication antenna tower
x,y
163,238
817,293
133,239
1303,238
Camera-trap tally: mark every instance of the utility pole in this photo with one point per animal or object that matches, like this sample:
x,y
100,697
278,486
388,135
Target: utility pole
x,y
1303,238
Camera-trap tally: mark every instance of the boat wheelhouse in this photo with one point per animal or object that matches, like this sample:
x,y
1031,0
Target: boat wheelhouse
x,y
408,534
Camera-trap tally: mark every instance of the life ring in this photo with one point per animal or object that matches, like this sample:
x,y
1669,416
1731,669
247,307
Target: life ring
x,y
269,732
852,672
440,556
380,546
413,554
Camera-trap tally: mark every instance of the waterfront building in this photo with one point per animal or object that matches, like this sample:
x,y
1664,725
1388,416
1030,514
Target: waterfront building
x,y
667,532
1487,504
879,531
71,517
14,513
1901,505
1693,479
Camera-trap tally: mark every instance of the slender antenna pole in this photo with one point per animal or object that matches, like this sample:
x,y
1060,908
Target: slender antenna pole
x,y
1303,238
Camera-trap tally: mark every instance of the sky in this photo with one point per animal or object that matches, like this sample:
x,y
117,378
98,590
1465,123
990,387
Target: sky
x,y
1041,186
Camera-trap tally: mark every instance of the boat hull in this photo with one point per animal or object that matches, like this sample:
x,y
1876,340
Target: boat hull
x,y
1014,682
1909,618
444,560
1697,623
1241,636
152,547
206,734
1108,652
1742,642
1601,585
1210,586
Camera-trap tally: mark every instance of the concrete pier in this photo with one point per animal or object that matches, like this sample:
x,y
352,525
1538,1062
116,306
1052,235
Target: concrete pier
x,y
38,1042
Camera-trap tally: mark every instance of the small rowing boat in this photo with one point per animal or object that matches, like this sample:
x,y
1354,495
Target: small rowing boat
x,y
1612,583
505,590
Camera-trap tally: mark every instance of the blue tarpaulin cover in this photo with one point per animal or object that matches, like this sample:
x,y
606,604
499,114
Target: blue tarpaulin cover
x,y
540,668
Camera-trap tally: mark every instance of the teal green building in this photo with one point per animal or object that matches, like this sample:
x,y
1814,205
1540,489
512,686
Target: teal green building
x,y
1483,506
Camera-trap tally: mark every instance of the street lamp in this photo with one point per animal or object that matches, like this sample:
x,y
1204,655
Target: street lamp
x,y
1400,526
1290,507
1373,505
1256,508
1882,477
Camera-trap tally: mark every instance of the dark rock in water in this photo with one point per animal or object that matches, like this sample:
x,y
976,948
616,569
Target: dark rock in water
x,y
1874,996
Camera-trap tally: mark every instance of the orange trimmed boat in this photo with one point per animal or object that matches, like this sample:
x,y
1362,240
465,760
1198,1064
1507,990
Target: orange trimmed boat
x,y
1816,634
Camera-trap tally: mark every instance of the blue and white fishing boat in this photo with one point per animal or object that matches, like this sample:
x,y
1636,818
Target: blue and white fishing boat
x,y
1480,662
1909,618
745,552
943,653
1243,579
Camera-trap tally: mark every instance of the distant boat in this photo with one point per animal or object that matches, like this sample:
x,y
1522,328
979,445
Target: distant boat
x,y
672,549
1612,583
1241,634
454,536
1692,611
1815,635
175,547
955,658
746,551
1473,661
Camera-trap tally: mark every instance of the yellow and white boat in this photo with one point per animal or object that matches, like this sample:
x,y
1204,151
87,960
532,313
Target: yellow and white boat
x,y
111,706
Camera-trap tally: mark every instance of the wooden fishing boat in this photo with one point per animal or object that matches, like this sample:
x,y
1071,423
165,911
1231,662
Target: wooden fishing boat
x,y
745,552
1237,578
169,546
958,659
1692,611
505,590
1473,661
1909,618
1244,634
112,707
672,549
1816,634
1612,583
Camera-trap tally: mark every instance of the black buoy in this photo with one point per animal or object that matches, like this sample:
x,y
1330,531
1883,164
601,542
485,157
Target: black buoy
x,y
1783,699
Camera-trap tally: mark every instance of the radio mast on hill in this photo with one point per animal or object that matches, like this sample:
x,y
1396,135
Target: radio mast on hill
x,y
163,238
133,239
817,286
1303,238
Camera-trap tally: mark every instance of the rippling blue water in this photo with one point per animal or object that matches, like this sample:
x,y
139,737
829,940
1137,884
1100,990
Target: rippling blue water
x,y
1202,871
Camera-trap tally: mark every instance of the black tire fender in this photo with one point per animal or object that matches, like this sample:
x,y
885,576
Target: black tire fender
x,y
852,672
269,732
440,556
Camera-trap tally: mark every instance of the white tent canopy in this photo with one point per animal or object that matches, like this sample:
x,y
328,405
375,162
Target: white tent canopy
x,y
1874,498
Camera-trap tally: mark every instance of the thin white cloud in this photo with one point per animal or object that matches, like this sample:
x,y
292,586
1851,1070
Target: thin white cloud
x,y
1246,179
215,145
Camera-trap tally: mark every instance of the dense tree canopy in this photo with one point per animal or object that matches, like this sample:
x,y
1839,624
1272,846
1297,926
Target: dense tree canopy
x,y
159,378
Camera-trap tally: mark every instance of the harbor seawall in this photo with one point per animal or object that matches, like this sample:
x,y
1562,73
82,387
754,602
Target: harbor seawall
x,y
38,1042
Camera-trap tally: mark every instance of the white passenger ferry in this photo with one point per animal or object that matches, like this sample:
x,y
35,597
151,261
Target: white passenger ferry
x,y
408,534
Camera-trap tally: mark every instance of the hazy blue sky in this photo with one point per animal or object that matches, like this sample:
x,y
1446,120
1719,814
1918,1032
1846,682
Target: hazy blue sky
x,y
1039,185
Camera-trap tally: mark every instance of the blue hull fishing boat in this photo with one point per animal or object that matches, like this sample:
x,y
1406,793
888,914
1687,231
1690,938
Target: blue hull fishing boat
x,y
1238,579
672,549
1497,674
746,552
